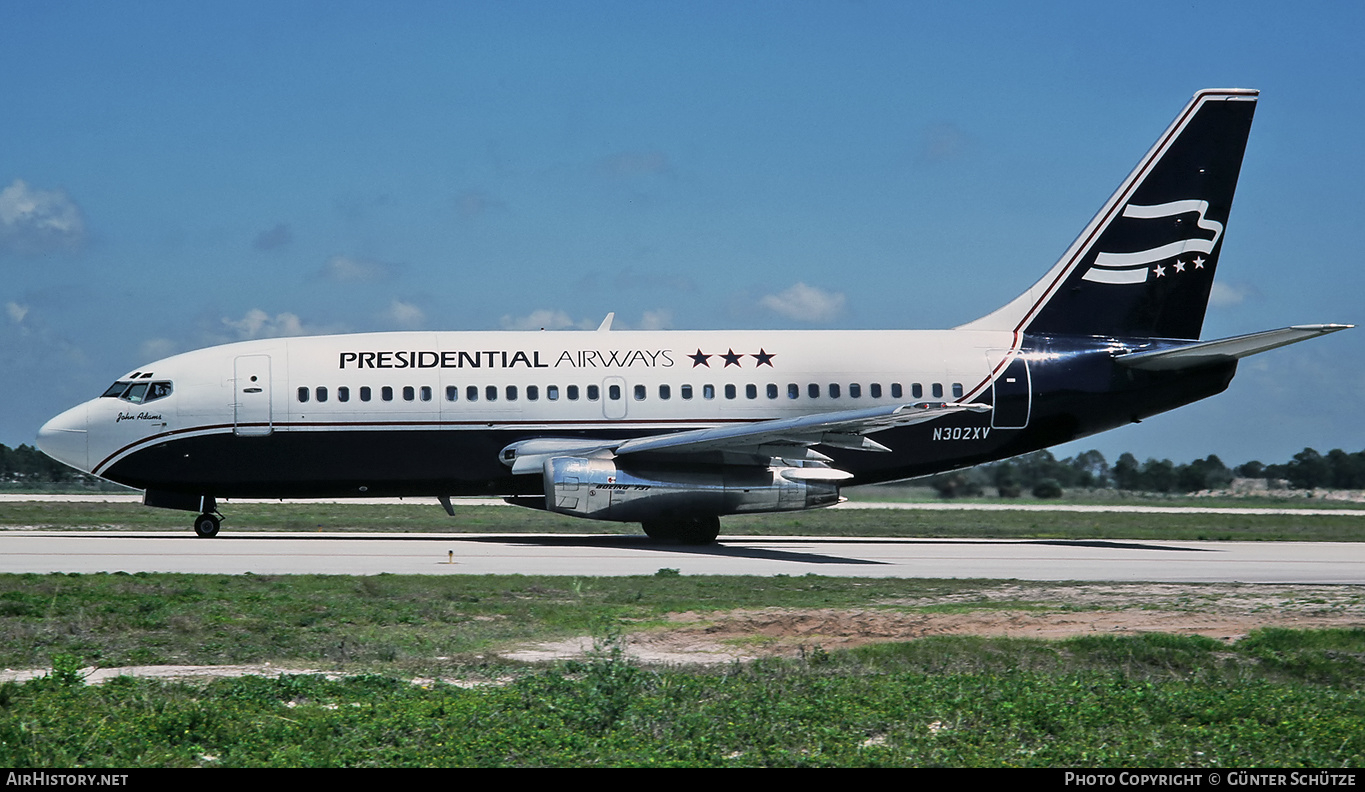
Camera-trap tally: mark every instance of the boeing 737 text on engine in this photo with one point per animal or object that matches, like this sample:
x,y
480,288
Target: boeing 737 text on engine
x,y
675,429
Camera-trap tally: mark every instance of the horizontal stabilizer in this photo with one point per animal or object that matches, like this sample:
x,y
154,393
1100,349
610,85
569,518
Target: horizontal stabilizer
x,y
1223,350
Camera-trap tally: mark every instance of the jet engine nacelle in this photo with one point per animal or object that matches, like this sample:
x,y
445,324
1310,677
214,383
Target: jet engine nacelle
x,y
600,489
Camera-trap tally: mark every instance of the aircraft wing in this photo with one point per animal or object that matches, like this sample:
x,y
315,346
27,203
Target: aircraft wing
x,y
842,429
1203,353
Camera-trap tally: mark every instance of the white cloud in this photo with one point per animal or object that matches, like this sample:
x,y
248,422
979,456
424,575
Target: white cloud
x,y
1223,294
656,320
16,312
405,315
542,319
805,303
259,324
347,269
158,348
37,221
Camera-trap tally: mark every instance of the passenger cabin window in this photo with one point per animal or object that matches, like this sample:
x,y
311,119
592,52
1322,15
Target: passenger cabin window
x,y
751,391
896,391
834,390
875,390
532,393
511,392
665,392
426,393
490,393
813,390
471,393
614,392
855,391
320,393
409,393
552,392
386,393
708,391
594,393
772,390
957,390
685,391
572,392
452,392
938,390
793,391
303,395
639,392
729,391
343,394
364,392
917,391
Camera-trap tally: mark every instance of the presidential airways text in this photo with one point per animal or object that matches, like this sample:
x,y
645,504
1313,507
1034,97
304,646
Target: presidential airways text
x,y
505,358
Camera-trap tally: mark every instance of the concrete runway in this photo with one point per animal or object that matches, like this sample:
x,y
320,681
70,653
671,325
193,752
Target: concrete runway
x,y
560,554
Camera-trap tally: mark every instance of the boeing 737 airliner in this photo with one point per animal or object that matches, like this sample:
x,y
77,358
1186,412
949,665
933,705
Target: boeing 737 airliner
x,y
674,429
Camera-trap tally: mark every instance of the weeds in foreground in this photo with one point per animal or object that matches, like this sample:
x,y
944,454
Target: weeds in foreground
x,y
1173,707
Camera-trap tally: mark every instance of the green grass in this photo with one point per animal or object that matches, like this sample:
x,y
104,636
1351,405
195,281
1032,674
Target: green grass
x,y
384,621
1276,698
1168,702
429,518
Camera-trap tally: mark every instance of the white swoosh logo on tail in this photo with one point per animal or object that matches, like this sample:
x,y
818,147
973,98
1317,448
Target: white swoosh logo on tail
x,y
1123,268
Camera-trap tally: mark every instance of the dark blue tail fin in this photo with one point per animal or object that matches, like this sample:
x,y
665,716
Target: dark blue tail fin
x,y
1144,266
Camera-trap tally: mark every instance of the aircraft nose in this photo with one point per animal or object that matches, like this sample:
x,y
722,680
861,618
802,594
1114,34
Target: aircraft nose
x,y
64,438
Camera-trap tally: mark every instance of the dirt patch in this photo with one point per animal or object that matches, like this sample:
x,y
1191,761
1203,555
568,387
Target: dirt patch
x,y
1225,612
1015,609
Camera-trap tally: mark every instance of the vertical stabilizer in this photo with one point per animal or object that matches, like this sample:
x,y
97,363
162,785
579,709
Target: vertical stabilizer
x,y
1145,264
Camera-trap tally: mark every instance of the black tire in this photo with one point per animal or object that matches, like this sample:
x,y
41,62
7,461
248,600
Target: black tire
x,y
206,526
695,530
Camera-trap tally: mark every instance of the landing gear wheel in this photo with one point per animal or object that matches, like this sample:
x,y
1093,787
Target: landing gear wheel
x,y
695,530
206,525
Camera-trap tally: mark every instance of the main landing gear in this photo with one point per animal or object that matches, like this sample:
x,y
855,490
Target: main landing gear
x,y
694,530
206,525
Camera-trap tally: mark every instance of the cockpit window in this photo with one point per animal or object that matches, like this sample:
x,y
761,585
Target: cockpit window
x,y
115,390
159,390
137,393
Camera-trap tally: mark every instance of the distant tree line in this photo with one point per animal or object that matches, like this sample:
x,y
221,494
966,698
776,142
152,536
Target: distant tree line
x,y
1045,476
1039,473
27,466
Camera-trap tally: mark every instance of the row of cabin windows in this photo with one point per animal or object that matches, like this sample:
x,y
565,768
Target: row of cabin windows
x,y
640,392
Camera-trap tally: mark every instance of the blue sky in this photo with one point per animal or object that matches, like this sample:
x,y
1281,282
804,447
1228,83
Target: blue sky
x,y
174,175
